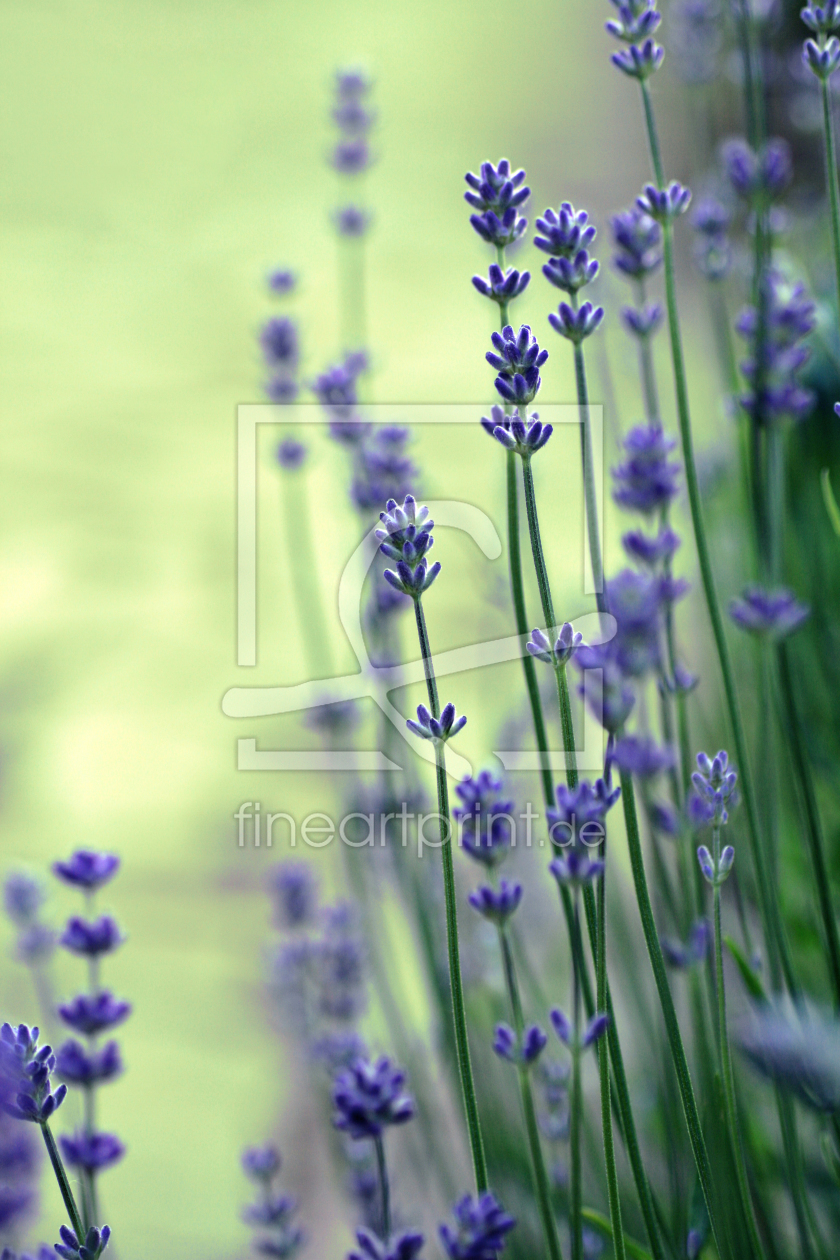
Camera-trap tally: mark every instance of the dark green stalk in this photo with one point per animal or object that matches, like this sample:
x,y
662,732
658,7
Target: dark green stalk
x,y
650,393
63,1183
588,469
459,1015
628,1127
831,180
576,1101
384,1188
725,1057
604,1069
813,829
542,1186
692,1118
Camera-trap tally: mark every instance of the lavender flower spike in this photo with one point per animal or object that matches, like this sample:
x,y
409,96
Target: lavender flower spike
x,y
714,782
496,188
571,274
480,1228
25,1069
101,936
516,355
773,614
639,61
438,730
577,325
485,818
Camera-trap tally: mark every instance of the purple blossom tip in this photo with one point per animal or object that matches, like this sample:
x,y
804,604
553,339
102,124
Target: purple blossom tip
x,y
369,1096
87,869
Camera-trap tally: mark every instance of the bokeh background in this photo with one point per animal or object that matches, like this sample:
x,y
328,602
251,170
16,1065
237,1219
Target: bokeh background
x,y
157,160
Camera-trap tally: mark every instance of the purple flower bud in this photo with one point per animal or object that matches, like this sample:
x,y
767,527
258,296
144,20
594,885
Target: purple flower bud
x,y
405,1246
647,480
764,175
438,730
773,614
640,755
295,891
351,156
577,325
524,437
352,221
481,1225
101,936
664,204
261,1163
93,1015
638,240
279,341
282,281
497,904
571,274
369,1096
78,1066
496,188
704,857
88,870
651,551
595,1029
564,647
564,232
90,1248
291,454
642,321
561,1025
92,1151
639,61
502,287
822,19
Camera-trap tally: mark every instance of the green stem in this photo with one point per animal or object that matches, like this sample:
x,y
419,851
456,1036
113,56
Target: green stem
x,y
768,903
384,1188
588,466
813,829
542,1185
63,1183
689,1104
650,393
831,180
604,1069
628,1127
459,1015
576,1114
725,1058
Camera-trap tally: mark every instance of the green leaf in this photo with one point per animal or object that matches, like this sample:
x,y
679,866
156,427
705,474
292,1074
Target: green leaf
x,y
830,501
635,1250
750,977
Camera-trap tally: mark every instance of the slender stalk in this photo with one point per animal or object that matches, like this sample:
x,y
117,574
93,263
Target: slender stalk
x,y
459,1015
725,1058
831,180
813,829
384,1188
588,468
650,393
623,1105
770,911
542,1185
692,1117
63,1182
576,1113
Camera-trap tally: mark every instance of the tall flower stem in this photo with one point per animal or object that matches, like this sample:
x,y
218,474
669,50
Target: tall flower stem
x,y
650,393
725,1056
604,1068
588,472
63,1182
384,1188
542,1185
813,829
624,1109
831,180
769,905
689,1104
576,1102
459,1015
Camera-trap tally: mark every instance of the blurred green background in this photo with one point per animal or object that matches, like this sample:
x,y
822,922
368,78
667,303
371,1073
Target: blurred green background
x,y
157,159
